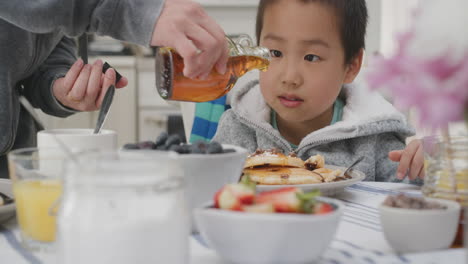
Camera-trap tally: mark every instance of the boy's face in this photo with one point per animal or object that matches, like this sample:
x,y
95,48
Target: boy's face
x,y
308,68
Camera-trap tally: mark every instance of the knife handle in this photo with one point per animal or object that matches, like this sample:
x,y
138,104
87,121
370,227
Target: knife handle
x,y
83,47
106,66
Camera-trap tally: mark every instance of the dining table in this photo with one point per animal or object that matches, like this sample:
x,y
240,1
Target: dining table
x,y
359,237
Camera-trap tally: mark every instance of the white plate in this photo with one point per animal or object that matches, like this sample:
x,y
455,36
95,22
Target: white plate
x,y
6,211
326,189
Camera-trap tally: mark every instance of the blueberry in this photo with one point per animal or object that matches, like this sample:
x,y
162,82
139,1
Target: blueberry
x,y
185,149
146,145
199,147
173,140
176,148
214,148
131,146
228,150
161,139
163,147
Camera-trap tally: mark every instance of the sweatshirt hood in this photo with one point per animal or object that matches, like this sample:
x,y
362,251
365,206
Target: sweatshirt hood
x,y
365,112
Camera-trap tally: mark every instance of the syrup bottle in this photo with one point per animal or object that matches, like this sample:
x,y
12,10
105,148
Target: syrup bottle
x,y
173,85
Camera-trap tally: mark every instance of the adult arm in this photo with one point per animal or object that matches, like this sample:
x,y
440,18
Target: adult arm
x,y
182,24
129,20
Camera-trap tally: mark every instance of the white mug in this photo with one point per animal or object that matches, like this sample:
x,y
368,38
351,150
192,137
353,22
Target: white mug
x,y
79,139
76,140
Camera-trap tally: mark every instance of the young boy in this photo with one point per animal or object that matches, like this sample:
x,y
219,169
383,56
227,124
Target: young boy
x,y
306,101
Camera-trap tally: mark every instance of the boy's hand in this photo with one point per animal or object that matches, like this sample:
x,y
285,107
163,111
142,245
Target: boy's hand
x,y
84,86
411,160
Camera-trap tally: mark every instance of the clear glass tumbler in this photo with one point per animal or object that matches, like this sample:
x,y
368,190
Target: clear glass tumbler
x,y
37,184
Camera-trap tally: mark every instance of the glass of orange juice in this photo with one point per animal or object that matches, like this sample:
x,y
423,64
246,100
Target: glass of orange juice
x,y
37,187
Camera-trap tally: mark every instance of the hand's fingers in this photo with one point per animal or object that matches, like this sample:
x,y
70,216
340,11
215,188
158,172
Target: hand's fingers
x,y
417,164
405,160
182,23
72,75
212,27
208,45
122,82
94,83
109,79
221,64
79,88
189,52
217,32
395,155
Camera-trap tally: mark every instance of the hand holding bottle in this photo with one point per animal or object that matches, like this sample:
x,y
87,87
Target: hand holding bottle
x,y
184,25
173,84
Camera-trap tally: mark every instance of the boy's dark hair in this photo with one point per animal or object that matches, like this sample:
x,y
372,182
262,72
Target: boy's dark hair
x,y
353,22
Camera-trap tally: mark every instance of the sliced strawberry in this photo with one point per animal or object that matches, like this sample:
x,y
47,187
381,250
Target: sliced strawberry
x,y
289,200
225,199
284,200
259,208
323,208
245,194
234,196
217,197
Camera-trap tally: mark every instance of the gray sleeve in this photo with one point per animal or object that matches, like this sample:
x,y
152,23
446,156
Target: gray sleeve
x,y
232,131
127,20
38,87
385,169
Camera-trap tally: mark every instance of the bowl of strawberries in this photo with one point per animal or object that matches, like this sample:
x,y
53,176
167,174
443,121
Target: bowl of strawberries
x,y
279,226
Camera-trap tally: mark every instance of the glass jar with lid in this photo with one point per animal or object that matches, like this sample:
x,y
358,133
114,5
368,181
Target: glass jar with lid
x,y
446,172
123,208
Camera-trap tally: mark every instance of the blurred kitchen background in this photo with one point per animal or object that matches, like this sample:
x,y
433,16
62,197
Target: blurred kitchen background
x,y
138,113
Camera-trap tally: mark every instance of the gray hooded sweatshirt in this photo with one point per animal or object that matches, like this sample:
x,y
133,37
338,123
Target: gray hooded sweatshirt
x,y
370,127
35,50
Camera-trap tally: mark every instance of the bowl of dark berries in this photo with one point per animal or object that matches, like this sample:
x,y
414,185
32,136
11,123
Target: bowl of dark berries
x,y
207,166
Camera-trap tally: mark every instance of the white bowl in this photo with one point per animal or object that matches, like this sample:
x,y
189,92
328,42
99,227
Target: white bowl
x,y
205,174
253,238
413,230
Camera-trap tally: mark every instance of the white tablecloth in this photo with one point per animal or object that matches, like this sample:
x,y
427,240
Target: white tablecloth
x,y
359,238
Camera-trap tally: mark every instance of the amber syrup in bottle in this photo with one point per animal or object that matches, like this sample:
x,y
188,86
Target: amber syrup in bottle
x,y
173,85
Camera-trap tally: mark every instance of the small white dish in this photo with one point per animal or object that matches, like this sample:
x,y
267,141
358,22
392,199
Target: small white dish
x,y
276,238
326,189
414,230
6,211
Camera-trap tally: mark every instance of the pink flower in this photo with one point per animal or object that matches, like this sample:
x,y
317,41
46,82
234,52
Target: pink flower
x,y
436,85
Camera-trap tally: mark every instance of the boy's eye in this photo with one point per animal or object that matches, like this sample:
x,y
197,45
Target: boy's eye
x,y
311,57
276,53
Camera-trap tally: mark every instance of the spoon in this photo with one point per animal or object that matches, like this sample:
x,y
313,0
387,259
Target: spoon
x,y
350,168
106,104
